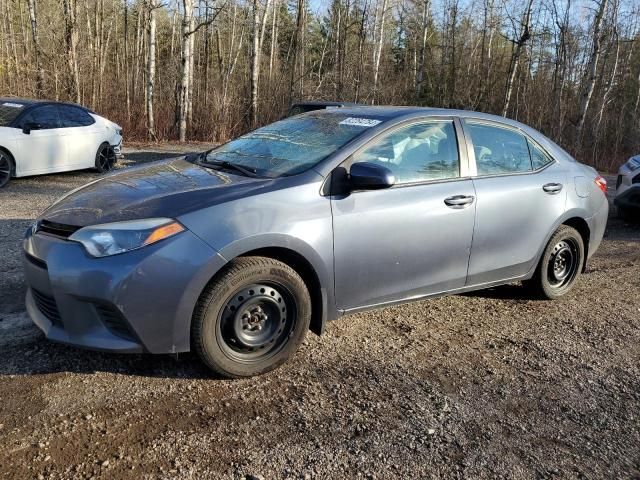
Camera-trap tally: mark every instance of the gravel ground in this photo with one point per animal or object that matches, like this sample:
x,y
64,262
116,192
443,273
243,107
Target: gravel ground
x,y
482,385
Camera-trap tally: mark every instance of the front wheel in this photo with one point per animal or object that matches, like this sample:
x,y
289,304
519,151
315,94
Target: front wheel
x,y
6,168
251,318
560,265
105,158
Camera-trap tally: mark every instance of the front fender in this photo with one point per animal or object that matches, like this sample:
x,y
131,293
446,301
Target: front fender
x,y
320,261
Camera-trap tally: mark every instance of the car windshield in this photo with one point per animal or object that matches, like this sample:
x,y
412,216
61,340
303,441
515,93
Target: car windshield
x,y
9,111
293,145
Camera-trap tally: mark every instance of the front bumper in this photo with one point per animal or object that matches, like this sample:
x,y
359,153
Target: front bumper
x,y
117,148
139,301
628,197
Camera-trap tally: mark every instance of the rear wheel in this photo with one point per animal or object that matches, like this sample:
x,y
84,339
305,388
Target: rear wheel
x,y
6,167
105,158
251,318
560,265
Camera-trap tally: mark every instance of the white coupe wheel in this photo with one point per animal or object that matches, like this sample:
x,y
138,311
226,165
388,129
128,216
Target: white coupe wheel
x,y
6,168
105,158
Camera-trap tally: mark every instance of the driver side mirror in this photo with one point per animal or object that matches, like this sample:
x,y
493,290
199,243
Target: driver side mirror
x,y
370,176
29,126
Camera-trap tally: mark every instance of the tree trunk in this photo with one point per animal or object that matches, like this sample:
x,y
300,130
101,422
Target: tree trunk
x,y
185,64
424,30
362,34
37,48
127,65
296,40
592,70
151,70
378,52
274,38
71,42
515,57
255,67
192,67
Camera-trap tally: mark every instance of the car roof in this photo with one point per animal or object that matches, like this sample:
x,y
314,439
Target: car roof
x,y
388,113
27,102
321,103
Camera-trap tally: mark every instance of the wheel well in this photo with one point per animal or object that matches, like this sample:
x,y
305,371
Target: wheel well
x,y
583,229
302,266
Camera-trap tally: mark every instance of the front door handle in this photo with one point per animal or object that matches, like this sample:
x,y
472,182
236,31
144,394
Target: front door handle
x,y
552,188
459,201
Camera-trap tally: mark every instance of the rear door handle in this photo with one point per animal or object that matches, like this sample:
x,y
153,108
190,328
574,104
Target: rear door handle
x,y
459,201
552,188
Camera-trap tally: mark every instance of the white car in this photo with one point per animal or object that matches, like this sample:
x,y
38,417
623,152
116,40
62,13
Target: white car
x,y
628,186
38,137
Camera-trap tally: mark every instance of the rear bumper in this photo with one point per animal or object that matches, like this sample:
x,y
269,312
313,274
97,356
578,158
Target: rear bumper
x,y
140,301
597,226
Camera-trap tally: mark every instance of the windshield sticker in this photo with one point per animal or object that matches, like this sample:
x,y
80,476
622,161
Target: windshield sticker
x,y
12,105
360,122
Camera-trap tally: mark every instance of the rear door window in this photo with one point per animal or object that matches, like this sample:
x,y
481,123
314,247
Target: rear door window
x,y
74,117
46,117
498,150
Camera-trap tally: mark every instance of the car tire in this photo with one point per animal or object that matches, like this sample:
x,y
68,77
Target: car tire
x,y
560,265
7,167
105,158
251,317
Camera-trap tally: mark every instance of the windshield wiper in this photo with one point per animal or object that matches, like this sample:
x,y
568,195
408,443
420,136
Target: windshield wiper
x,y
247,171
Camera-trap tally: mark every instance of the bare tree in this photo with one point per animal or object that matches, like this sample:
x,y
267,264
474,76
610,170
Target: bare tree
x,y
424,30
378,50
255,66
151,69
592,68
37,48
519,44
71,42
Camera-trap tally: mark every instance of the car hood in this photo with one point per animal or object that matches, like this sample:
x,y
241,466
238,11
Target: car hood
x,y
168,188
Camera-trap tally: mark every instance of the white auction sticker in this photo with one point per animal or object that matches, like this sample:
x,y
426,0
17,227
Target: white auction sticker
x,y
360,122
13,105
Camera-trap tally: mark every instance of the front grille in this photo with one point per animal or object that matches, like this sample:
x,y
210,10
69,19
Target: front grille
x,y
114,321
56,229
618,181
47,305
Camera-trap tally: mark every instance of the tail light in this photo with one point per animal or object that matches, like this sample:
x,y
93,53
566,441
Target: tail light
x,y
601,183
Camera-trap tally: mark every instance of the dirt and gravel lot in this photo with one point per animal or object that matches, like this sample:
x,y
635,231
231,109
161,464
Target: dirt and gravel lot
x,y
484,385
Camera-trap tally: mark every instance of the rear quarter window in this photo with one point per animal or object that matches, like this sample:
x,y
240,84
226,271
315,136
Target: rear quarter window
x,y
539,158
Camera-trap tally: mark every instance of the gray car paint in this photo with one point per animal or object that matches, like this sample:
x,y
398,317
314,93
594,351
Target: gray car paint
x,y
366,249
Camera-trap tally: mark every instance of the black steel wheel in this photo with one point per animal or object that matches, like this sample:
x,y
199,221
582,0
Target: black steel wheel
x,y
560,265
251,317
105,158
256,322
6,168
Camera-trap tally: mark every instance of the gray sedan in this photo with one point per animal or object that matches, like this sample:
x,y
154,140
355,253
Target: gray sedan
x,y
236,252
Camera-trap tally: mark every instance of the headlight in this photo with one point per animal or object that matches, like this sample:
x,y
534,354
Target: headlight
x,y
633,163
113,238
